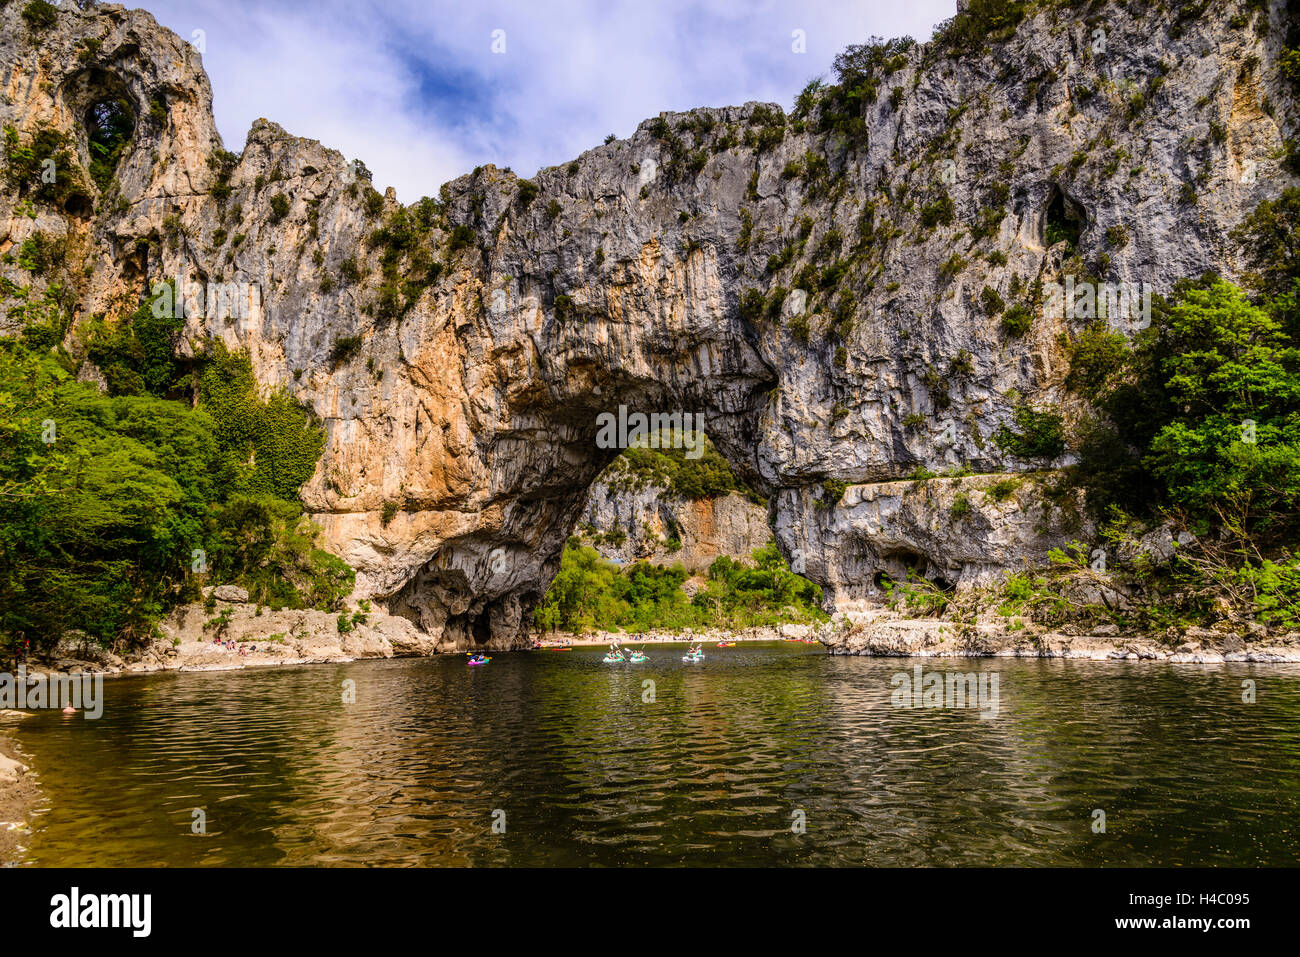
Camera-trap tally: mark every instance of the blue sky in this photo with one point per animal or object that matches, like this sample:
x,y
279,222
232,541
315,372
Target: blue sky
x,y
415,90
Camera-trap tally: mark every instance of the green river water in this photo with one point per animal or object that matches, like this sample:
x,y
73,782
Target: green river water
x,y
762,754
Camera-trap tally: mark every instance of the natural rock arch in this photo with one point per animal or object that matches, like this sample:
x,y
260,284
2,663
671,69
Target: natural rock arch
x,y
471,590
653,268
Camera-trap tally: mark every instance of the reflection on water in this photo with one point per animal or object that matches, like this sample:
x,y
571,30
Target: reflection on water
x,y
712,771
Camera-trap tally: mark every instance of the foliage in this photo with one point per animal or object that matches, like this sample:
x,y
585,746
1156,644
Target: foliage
x,y
136,354
25,165
1039,434
279,207
109,127
590,593
917,593
268,546
269,446
40,15
981,22
1231,447
707,476
99,523
115,507
1017,320
860,70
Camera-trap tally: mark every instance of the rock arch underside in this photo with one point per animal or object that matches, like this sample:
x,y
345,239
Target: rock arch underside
x,y
468,403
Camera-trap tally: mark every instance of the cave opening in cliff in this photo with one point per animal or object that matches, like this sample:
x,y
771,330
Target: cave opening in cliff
x,y
903,565
481,629
110,124
1064,220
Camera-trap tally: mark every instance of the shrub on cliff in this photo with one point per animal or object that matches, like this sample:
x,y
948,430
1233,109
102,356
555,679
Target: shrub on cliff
x,y
270,445
136,354
981,23
1038,434
27,173
269,547
40,15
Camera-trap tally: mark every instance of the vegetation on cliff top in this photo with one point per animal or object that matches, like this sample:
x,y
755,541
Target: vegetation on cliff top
x,y
708,476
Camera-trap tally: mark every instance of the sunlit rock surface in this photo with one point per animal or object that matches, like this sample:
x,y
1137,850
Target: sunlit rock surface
x,y
471,409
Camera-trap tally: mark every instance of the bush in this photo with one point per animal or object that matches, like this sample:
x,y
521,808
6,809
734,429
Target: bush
x,y
462,237
136,355
24,166
961,507
1039,434
992,301
982,21
751,305
269,446
939,212
1018,320
40,15
279,207
1002,489
345,348
832,491
1096,356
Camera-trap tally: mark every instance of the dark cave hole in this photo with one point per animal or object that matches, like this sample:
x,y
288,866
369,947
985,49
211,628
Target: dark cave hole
x,y
903,566
109,126
481,628
1065,221
79,205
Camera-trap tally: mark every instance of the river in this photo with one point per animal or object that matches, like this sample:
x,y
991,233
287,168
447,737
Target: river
x,y
762,754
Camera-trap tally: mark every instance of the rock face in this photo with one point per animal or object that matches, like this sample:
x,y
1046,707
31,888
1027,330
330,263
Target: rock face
x,y
469,400
652,524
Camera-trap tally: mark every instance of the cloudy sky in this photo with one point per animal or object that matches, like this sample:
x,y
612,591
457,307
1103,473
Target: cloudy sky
x,y
414,89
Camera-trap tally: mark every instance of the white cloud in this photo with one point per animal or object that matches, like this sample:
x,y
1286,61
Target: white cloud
x,y
414,90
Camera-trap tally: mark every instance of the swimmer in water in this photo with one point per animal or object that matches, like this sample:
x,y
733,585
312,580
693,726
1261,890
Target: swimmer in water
x,y
69,710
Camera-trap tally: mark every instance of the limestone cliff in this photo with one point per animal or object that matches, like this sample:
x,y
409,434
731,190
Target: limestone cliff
x,y
461,351
652,524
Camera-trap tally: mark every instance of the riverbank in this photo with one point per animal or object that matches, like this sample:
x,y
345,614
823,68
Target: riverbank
x,y
235,635
884,632
707,636
19,794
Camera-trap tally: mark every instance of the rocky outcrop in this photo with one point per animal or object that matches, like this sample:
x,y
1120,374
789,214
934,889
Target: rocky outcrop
x,y
462,357
957,532
652,524
239,635
883,632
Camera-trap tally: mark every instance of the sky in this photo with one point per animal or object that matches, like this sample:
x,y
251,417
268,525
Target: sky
x,y
423,91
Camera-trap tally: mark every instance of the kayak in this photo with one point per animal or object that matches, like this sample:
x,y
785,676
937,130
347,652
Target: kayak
x,y
726,644
478,661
